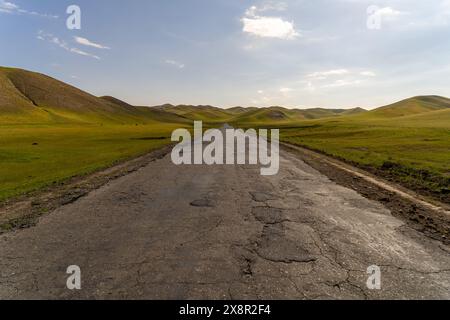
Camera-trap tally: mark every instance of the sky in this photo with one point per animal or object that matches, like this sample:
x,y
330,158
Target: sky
x,y
292,53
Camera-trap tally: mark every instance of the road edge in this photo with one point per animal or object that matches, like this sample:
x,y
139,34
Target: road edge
x,y
24,212
428,217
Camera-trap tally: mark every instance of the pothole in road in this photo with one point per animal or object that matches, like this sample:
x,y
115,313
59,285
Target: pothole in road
x,y
268,215
275,247
203,203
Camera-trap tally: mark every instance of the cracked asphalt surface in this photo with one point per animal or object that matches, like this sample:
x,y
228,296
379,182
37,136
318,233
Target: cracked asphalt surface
x,y
222,232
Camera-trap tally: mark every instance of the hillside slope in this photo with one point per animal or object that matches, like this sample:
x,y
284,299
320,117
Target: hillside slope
x,y
412,106
149,113
203,113
14,106
29,97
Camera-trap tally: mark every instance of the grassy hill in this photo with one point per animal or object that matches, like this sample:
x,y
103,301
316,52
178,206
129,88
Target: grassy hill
x,y
150,113
29,97
283,116
269,115
51,131
205,113
408,107
240,116
14,106
239,110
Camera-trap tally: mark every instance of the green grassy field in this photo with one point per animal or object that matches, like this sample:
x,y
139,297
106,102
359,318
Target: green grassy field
x,y
35,156
414,150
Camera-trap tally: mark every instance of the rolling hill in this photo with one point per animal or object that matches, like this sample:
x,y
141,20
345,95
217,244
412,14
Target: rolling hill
x,y
412,106
15,106
241,115
29,97
240,110
282,115
204,113
150,113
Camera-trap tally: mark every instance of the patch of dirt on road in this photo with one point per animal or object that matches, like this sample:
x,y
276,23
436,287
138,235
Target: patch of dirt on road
x,y
24,212
433,223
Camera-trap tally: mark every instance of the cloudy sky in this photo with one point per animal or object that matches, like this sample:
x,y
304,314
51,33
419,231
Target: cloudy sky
x,y
294,53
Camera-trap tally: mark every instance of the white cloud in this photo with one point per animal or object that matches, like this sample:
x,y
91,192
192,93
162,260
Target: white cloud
x,y
342,83
86,42
81,52
64,45
336,78
175,63
322,75
12,8
421,14
390,13
266,6
274,5
8,7
268,27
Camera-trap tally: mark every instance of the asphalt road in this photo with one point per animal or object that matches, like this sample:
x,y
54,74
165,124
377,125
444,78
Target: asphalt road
x,y
222,232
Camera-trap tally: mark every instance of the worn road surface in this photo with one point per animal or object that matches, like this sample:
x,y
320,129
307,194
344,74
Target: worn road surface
x,y
222,232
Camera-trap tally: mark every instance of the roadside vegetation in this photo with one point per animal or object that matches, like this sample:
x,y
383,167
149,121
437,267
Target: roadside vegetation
x,y
411,150
32,157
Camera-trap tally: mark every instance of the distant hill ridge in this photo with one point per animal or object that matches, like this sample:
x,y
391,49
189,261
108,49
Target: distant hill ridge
x,y
33,97
250,114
